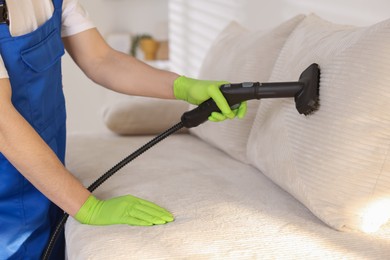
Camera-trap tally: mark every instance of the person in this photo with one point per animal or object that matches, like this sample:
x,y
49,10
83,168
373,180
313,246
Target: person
x,y
34,183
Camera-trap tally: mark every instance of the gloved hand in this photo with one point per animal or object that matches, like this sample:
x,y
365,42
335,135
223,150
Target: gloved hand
x,y
197,91
122,210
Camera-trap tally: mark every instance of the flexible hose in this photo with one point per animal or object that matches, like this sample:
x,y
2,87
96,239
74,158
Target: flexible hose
x,y
59,228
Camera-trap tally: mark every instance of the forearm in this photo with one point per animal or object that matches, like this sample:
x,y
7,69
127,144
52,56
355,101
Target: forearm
x,y
118,71
34,159
125,74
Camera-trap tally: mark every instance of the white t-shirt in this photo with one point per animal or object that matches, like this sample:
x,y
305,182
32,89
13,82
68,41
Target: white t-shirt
x,y
27,15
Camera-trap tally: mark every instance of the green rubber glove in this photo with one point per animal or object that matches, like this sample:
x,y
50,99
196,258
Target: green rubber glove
x,y
239,112
196,91
122,210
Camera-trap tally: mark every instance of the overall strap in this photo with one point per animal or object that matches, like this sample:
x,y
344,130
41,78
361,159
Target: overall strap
x,y
57,4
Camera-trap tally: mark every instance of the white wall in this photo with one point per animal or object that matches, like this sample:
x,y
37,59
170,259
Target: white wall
x,y
84,98
269,13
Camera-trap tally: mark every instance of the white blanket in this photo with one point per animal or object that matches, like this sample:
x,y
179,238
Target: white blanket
x,y
224,209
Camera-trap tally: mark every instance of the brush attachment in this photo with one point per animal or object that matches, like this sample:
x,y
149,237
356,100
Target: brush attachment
x,y
307,100
305,92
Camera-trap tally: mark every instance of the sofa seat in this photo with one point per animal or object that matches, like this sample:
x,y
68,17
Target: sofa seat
x,y
223,208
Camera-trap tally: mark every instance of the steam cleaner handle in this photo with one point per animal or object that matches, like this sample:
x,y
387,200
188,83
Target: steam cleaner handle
x,y
234,95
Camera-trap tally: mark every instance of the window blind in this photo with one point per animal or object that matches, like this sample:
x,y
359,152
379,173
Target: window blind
x,y
193,26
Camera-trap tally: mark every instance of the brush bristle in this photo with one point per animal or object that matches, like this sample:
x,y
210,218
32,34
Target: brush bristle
x,y
316,104
314,107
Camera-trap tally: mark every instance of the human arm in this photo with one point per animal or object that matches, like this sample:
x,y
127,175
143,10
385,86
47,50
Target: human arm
x,y
31,156
125,74
115,70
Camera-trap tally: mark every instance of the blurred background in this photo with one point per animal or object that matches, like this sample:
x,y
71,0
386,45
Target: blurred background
x,y
182,36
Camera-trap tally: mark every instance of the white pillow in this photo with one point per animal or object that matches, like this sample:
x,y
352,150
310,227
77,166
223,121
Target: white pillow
x,y
336,161
239,55
142,115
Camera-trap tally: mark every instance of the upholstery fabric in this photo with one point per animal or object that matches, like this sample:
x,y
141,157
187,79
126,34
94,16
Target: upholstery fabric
x,y
223,209
335,161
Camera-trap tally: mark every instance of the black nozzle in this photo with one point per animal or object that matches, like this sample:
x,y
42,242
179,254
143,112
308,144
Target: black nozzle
x,y
307,100
305,92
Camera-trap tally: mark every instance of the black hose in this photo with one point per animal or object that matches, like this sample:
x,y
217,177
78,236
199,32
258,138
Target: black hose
x,y
58,230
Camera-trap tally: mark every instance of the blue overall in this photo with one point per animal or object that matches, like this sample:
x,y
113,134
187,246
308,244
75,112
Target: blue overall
x,y
33,62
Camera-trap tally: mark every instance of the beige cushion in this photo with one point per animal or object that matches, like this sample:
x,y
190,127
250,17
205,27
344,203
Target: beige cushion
x,y
336,161
141,115
239,55
224,209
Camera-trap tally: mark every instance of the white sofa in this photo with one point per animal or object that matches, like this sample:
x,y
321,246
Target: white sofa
x,y
275,185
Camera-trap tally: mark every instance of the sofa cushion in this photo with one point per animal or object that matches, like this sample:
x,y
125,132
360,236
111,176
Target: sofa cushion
x,y
223,209
142,115
336,161
239,55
